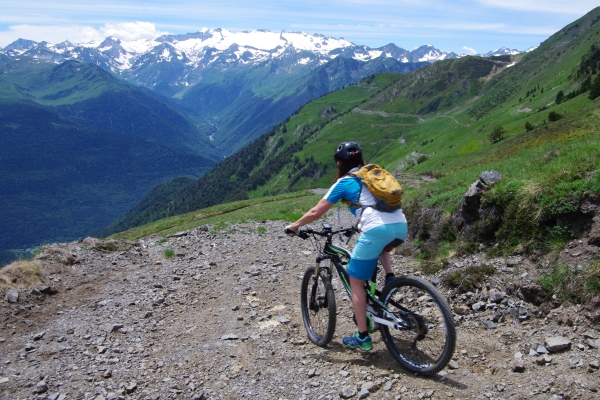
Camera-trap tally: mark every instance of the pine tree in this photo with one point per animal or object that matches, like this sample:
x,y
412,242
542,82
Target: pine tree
x,y
497,134
560,96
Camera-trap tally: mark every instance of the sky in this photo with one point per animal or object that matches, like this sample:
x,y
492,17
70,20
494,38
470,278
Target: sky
x,y
461,26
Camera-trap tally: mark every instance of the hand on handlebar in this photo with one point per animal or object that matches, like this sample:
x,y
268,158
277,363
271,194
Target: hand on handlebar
x,y
290,231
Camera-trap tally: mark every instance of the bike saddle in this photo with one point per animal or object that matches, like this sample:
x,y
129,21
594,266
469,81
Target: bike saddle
x,y
391,245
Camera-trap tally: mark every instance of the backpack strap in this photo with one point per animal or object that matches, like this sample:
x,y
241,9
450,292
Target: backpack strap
x,y
355,204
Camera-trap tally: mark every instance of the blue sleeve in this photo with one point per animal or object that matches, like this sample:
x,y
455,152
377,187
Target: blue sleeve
x,y
346,189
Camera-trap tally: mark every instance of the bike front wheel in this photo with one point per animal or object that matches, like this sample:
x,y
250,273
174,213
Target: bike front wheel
x,y
318,306
426,343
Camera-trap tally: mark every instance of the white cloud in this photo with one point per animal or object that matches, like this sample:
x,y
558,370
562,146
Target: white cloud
x,y
579,7
469,50
131,30
80,34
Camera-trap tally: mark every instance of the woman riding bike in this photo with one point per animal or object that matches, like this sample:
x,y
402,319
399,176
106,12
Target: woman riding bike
x,y
378,229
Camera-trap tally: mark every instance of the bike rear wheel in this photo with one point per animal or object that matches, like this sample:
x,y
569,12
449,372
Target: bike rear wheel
x,y
318,306
427,347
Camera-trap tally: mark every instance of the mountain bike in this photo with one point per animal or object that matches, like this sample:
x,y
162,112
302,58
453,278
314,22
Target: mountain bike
x,y
413,318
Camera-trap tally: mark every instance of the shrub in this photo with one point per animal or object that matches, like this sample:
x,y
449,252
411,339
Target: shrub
x,y
21,274
528,126
560,96
575,284
556,238
497,134
469,278
107,245
422,158
554,116
169,253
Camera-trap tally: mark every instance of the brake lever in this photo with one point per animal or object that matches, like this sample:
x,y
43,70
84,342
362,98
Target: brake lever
x,y
303,235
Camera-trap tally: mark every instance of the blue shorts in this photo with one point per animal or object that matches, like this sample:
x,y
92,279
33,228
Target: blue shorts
x,y
369,247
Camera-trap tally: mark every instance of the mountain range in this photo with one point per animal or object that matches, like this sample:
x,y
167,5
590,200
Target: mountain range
x,y
190,54
235,86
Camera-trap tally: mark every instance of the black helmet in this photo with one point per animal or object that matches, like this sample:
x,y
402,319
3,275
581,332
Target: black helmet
x,y
348,151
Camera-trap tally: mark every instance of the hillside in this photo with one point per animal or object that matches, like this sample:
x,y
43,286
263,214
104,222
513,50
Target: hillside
x,y
80,147
256,164
62,181
242,104
450,120
91,97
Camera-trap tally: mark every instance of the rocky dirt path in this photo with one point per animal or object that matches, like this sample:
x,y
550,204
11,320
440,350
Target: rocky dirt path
x,y
221,320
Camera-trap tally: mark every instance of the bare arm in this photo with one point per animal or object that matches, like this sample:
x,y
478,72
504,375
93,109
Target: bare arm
x,y
313,214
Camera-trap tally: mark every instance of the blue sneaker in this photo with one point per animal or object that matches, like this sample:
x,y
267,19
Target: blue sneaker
x,y
354,342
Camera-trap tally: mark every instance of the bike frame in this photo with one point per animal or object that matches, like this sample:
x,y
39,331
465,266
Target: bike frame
x,y
334,254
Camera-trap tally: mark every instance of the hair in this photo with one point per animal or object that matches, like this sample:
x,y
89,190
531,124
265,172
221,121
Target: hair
x,y
346,165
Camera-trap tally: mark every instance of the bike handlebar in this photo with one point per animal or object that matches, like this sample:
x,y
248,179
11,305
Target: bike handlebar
x,y
305,233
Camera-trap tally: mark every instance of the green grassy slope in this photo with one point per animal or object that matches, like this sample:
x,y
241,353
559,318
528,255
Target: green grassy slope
x,y
246,172
239,105
437,122
92,97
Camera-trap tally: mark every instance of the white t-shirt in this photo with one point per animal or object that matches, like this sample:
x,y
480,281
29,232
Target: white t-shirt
x,y
349,188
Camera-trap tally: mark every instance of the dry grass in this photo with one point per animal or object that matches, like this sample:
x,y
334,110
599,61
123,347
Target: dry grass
x,y
470,278
22,274
531,193
572,284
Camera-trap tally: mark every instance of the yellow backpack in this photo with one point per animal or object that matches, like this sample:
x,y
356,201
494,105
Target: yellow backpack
x,y
382,185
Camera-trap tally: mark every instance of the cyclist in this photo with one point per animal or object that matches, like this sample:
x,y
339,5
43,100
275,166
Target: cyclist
x,y
378,230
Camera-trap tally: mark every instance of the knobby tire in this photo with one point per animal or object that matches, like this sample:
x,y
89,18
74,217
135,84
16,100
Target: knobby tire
x,y
318,307
428,347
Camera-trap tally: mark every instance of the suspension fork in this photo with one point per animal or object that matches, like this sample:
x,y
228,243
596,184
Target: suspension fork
x,y
318,266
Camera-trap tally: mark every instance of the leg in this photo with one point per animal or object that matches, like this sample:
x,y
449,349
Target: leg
x,y
360,340
359,303
386,262
362,265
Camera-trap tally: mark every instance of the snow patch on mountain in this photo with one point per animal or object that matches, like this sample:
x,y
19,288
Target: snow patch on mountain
x,y
217,48
502,51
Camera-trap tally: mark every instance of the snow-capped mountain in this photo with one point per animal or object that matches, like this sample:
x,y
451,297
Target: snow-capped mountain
x,y
191,53
502,51
236,85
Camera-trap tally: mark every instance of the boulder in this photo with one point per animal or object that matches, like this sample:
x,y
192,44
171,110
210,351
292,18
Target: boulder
x,y
496,296
12,296
557,343
472,198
